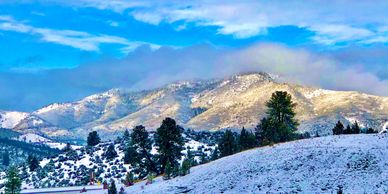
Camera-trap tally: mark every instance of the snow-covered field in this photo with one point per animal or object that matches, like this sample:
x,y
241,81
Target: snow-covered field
x,y
358,163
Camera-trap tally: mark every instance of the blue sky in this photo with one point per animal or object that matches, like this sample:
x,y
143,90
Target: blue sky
x,y
60,50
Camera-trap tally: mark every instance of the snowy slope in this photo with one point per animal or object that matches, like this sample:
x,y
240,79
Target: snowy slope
x,y
358,163
71,169
8,119
37,139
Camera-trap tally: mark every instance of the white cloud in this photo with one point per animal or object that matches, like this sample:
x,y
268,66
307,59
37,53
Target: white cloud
x,y
333,22
331,34
113,23
76,39
150,18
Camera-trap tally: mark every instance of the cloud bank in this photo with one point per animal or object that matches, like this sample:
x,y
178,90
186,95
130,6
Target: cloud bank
x,y
145,68
333,22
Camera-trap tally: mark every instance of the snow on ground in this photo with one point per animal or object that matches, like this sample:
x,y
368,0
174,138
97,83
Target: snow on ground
x,y
37,139
358,163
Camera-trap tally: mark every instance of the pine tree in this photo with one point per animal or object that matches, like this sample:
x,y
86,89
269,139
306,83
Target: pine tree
x,y
281,113
215,154
348,130
126,135
370,130
246,139
169,142
13,183
67,148
263,132
129,179
112,187
355,128
110,153
129,155
185,167
33,163
143,160
6,158
227,144
338,129
167,171
93,138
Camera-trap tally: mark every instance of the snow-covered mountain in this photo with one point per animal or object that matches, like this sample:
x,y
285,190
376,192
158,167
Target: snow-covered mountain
x,y
232,102
9,119
357,163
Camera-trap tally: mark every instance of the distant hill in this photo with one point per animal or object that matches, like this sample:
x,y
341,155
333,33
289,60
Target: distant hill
x,y
217,104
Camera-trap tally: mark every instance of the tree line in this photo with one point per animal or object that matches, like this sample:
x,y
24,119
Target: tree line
x,y
339,129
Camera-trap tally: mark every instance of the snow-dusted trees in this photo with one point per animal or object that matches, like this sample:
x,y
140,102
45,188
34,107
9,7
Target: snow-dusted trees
x,y
112,187
338,129
67,148
227,144
93,138
246,140
13,183
110,152
139,152
6,158
370,130
33,163
169,142
129,179
356,128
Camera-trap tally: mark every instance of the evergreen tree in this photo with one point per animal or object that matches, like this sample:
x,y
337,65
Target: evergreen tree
x,y
281,113
338,129
167,171
6,158
67,148
33,163
110,153
169,142
355,128
142,159
13,183
263,132
126,135
227,144
112,187
185,167
348,130
246,140
129,155
203,158
93,138
215,154
370,130
129,179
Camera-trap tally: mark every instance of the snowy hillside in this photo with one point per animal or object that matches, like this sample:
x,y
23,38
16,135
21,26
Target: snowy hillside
x,y
37,139
72,168
8,119
232,102
358,163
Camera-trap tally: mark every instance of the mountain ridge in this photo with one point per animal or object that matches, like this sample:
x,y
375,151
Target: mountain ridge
x,y
226,103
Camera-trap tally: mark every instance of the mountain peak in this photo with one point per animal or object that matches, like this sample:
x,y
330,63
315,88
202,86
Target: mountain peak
x,y
253,76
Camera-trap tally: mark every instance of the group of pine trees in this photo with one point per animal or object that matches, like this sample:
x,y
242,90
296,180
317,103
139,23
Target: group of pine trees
x,y
339,129
169,143
278,126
